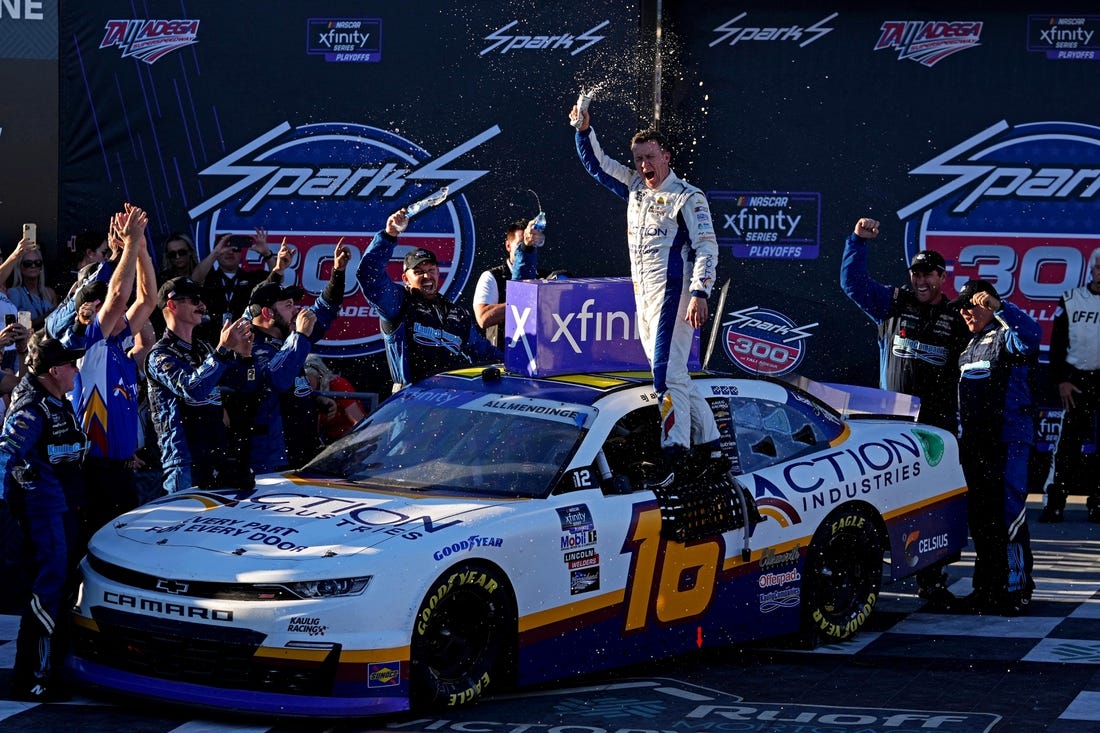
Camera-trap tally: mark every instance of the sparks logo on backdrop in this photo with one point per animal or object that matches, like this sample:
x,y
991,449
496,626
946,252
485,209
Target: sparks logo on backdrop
x,y
508,42
150,40
929,42
316,183
1014,205
734,32
763,341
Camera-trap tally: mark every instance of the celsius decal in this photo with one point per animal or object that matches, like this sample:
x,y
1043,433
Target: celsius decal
x,y
1014,205
150,40
349,177
928,42
763,341
735,32
768,225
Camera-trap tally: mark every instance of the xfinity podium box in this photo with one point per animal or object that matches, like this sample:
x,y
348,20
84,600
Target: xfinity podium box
x,y
564,326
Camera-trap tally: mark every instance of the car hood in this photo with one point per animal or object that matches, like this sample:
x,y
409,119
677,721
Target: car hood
x,y
285,521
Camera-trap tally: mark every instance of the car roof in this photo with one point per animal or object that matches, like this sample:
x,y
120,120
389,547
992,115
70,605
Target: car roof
x,y
582,389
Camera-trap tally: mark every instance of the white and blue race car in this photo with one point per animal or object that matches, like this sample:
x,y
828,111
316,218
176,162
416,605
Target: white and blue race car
x,y
483,530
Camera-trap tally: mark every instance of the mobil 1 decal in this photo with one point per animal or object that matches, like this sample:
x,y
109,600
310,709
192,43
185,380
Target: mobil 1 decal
x,y
315,184
1015,205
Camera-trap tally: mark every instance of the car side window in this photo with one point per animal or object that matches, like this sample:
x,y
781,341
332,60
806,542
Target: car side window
x,y
771,432
634,446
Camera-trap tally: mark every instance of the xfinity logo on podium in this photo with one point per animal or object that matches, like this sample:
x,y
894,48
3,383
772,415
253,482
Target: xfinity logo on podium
x,y
566,326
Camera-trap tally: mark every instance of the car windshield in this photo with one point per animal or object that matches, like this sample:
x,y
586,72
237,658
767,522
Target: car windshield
x,y
450,440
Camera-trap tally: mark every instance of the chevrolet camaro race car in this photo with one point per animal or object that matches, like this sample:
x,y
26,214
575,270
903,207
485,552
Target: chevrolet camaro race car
x,y
483,530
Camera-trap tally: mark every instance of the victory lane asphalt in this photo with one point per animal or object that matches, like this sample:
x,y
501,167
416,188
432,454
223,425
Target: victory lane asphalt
x,y
909,670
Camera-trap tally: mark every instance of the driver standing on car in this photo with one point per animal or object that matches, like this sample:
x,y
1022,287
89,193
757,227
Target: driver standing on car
x,y
673,261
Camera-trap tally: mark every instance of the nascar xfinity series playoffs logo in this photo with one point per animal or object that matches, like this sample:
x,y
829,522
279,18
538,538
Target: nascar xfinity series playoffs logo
x,y
314,184
1014,205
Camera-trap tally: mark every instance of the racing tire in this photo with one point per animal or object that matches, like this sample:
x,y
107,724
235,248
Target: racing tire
x,y
843,576
464,638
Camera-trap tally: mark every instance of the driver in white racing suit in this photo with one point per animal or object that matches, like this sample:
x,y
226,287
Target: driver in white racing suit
x,y
673,258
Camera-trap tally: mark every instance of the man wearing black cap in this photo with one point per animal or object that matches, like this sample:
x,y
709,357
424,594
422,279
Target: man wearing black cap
x,y
997,431
1075,367
284,334
185,374
424,332
920,340
41,448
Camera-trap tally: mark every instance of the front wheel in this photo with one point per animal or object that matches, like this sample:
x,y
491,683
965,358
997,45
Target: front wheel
x,y
463,637
844,573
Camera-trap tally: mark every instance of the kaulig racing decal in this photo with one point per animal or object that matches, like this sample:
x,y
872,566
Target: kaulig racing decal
x,y
1014,205
315,184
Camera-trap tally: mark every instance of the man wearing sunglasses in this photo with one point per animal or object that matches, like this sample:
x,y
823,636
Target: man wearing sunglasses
x,y
997,431
185,377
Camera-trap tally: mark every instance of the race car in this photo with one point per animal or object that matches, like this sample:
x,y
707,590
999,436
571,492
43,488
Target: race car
x,y
484,530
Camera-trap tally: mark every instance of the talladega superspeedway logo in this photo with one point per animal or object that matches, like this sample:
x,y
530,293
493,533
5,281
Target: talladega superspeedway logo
x,y
1014,205
314,184
763,341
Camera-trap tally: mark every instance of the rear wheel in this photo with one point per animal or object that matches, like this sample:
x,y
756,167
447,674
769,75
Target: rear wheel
x,y
463,638
844,573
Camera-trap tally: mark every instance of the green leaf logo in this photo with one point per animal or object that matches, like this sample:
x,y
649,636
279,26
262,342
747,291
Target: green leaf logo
x,y
933,446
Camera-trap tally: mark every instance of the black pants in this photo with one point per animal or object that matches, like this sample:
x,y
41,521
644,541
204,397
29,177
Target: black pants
x,y
1075,470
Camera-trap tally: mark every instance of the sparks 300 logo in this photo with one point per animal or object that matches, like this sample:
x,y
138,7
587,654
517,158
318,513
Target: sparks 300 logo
x,y
150,40
763,341
316,184
1014,205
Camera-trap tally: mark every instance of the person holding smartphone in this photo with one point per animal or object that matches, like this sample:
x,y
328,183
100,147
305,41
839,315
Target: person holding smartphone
x,y
226,285
28,289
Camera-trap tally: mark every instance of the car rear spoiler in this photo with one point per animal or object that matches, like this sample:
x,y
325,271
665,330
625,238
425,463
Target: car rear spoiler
x,y
853,401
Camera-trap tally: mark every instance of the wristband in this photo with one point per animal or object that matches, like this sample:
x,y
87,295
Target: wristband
x,y
267,256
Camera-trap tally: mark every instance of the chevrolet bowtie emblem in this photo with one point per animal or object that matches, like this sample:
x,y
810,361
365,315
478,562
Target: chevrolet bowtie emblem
x,y
172,586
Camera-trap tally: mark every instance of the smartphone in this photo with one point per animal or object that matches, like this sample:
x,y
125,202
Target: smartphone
x,y
30,233
25,320
9,318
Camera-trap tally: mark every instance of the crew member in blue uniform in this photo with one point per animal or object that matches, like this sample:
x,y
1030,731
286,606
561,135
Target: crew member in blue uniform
x,y
997,432
425,333
41,448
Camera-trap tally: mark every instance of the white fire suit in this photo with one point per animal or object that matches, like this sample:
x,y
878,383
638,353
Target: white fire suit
x,y
673,256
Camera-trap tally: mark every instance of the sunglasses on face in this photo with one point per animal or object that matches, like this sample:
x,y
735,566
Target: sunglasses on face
x,y
32,263
174,253
192,299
